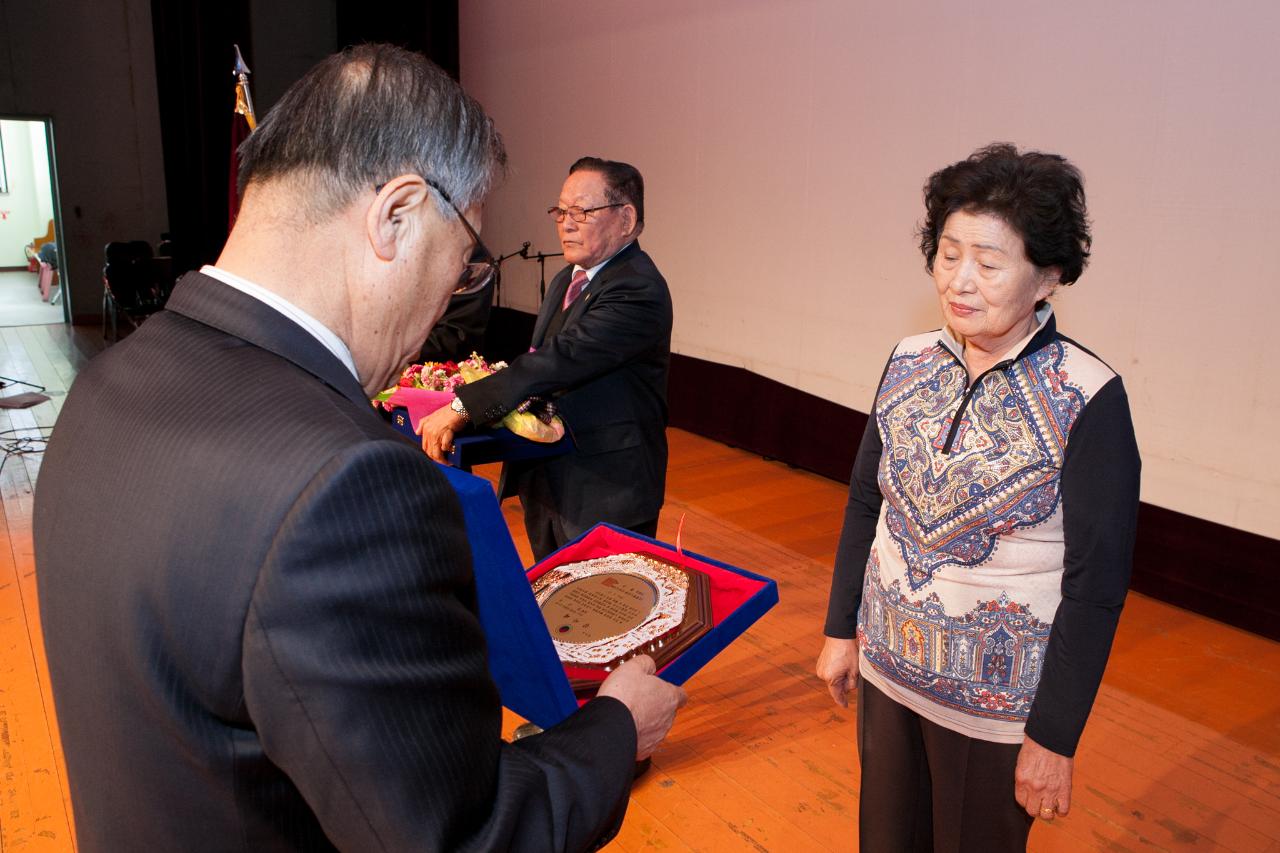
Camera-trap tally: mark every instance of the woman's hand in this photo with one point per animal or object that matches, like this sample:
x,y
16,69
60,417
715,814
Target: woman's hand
x,y
838,666
1042,781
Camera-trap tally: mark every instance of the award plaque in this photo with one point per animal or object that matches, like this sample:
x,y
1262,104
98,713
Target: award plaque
x,y
603,611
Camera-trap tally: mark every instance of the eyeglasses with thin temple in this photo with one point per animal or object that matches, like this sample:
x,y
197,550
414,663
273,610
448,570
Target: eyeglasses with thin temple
x,y
578,214
482,267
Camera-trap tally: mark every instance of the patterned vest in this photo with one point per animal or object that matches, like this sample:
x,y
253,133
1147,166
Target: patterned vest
x,y
965,573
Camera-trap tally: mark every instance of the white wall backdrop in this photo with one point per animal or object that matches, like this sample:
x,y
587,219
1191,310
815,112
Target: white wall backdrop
x,y
40,171
21,208
784,146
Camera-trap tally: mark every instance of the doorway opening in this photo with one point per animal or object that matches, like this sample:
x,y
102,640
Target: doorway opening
x,y
32,265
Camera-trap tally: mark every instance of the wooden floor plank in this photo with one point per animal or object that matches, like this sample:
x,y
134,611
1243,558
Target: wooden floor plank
x,y
34,806
642,831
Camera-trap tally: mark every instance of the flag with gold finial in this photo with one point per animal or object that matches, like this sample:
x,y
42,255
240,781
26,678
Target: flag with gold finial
x,y
243,121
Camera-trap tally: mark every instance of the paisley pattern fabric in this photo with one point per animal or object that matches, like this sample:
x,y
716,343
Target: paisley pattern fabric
x,y
964,576
1002,469
986,660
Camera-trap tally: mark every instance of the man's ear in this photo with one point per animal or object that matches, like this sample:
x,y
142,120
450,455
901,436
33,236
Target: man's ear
x,y
387,220
629,219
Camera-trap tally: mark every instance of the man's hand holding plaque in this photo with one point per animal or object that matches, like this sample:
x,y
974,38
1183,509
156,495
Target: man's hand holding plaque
x,y
653,702
632,618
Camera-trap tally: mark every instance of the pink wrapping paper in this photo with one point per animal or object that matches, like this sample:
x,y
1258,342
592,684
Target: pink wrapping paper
x,y
419,402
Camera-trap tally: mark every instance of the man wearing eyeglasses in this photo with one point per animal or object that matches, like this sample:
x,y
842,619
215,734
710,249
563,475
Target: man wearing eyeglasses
x,y
460,330
601,350
257,597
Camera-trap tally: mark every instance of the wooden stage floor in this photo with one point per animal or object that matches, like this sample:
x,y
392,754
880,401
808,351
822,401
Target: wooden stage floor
x,y
1182,751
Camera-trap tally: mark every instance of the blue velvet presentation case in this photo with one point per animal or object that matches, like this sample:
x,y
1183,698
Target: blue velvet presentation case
x,y
522,657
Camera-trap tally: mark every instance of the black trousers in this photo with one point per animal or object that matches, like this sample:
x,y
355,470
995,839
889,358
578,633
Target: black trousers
x,y
927,788
547,530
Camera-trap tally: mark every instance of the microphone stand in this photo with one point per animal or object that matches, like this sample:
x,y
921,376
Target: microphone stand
x,y
523,252
541,258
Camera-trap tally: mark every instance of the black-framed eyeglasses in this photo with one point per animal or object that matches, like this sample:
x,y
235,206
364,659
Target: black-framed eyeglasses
x,y
482,267
578,214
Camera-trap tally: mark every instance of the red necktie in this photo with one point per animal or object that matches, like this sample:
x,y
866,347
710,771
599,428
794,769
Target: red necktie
x,y
576,284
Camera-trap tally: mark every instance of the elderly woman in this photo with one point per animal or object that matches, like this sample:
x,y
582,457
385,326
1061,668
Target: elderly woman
x,y
989,532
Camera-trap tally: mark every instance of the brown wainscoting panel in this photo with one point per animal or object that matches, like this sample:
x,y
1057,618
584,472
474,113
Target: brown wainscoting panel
x,y
1218,571
742,409
1208,568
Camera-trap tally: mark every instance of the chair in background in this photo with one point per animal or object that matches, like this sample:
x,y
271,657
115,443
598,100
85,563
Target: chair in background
x,y
47,259
162,265
32,249
47,279
129,287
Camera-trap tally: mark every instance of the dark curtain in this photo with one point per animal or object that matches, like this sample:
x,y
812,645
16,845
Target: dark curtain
x,y
194,58
427,26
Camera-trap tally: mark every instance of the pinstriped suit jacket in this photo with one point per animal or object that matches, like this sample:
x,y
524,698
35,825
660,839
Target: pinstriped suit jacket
x,y
260,616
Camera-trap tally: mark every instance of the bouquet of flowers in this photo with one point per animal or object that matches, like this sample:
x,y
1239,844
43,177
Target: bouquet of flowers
x,y
423,388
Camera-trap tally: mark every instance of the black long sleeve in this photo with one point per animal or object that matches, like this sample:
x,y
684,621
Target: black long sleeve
x,y
1100,477
859,531
861,513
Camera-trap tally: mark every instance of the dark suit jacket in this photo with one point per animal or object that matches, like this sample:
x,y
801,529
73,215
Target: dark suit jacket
x,y
607,369
260,615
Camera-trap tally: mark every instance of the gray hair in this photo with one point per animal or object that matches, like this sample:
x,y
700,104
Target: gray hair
x,y
366,115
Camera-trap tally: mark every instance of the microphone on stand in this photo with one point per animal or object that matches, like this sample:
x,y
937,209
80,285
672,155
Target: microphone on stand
x,y
523,252
541,258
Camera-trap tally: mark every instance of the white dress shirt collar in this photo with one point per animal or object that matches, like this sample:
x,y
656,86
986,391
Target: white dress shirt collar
x,y
591,273
318,330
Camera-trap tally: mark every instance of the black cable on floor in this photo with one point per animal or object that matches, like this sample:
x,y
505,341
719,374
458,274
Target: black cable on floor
x,y
12,444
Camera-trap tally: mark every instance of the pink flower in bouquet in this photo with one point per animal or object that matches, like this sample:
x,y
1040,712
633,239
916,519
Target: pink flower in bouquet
x,y
448,376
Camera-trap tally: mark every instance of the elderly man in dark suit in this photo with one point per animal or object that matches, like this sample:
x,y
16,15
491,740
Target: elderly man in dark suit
x,y
257,598
601,350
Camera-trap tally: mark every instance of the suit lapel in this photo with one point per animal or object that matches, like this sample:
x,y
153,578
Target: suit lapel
x,y
550,305
209,301
600,281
